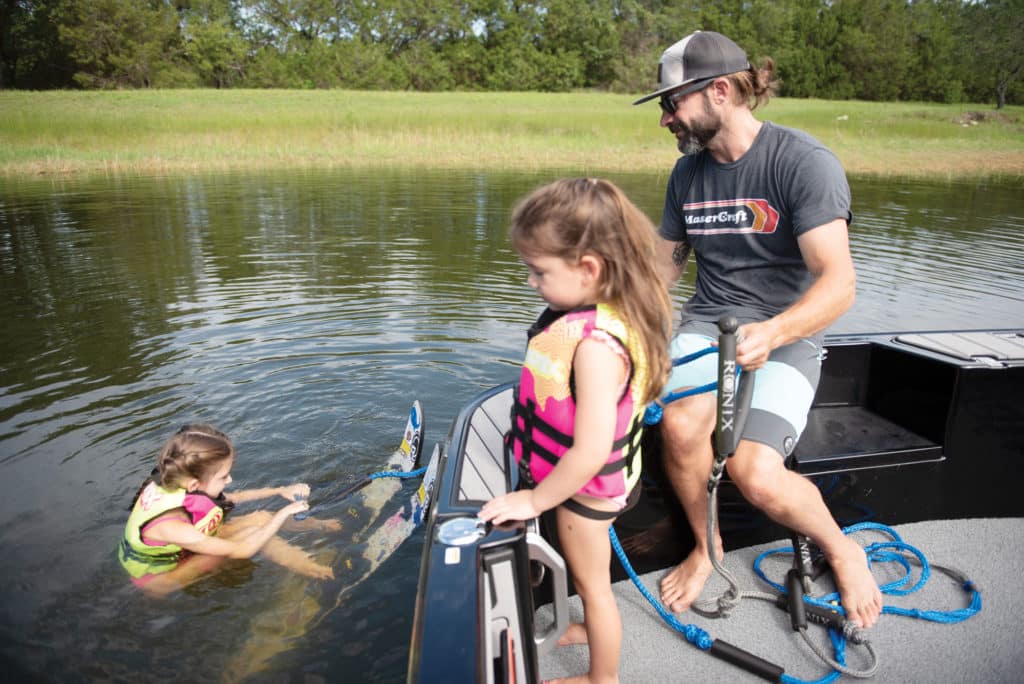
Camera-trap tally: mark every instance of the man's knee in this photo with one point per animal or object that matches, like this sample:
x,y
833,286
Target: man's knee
x,y
757,470
686,427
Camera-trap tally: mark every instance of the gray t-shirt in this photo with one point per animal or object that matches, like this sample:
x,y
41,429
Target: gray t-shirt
x,y
742,220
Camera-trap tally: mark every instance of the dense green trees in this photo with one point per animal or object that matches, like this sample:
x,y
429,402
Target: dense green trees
x,y
932,50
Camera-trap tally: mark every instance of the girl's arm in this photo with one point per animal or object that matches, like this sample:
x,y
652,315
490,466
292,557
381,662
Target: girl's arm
x,y
600,374
289,492
188,537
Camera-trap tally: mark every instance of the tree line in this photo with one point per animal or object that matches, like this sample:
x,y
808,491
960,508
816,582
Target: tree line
x,y
884,50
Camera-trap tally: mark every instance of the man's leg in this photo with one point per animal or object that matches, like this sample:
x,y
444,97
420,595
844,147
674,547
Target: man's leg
x,y
791,500
686,429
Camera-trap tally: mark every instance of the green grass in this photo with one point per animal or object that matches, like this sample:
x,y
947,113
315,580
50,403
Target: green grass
x,y
187,131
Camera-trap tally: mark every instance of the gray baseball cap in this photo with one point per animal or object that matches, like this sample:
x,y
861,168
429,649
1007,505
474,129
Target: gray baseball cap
x,y
695,61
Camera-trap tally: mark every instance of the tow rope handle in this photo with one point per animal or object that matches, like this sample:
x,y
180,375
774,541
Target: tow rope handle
x,y
733,398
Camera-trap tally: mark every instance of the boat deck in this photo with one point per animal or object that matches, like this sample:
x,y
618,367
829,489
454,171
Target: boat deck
x,y
919,431
983,648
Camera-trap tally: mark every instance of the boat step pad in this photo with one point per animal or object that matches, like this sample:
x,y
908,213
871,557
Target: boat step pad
x,y
971,346
841,438
483,469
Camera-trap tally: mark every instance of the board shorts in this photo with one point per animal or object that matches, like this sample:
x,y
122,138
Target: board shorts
x,y
783,389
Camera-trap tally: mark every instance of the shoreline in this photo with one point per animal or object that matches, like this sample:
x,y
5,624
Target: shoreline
x,y
78,134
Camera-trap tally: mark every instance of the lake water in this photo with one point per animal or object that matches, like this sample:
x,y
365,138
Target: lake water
x,y
302,313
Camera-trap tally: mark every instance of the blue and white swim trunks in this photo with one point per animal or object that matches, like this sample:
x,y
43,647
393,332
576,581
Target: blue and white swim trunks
x,y
783,389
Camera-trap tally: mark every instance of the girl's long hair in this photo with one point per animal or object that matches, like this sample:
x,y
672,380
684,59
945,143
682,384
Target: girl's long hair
x,y
574,217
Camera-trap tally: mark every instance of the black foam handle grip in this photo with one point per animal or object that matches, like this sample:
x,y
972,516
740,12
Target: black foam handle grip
x,y
795,593
733,397
725,423
746,660
826,617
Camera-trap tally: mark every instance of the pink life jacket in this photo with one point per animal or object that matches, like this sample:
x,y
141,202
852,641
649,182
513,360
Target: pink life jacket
x,y
544,405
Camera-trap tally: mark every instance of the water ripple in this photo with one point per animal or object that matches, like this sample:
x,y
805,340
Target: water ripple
x,y
304,321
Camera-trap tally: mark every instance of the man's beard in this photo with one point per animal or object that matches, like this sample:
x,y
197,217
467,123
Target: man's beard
x,y
699,134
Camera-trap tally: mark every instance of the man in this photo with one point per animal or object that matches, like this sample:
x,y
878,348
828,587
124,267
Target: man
x,y
765,210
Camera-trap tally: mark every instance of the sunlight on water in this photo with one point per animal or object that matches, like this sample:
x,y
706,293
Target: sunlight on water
x,y
303,314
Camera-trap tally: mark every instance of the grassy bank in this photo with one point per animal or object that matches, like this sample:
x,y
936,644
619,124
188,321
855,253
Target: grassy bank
x,y
189,131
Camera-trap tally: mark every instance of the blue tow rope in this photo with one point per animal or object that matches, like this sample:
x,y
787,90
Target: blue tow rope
x,y
694,634
654,411
403,474
881,552
891,552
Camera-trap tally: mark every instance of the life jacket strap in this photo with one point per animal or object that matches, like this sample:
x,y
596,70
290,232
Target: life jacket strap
x,y
598,514
129,553
525,415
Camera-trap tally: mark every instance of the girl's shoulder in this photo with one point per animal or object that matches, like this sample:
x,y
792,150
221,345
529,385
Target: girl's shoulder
x,y
156,528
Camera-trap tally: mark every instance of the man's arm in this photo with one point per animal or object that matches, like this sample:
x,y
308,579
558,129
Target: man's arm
x,y
672,258
826,251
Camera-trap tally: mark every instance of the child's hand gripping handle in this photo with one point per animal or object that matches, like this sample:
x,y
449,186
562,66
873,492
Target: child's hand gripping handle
x,y
302,515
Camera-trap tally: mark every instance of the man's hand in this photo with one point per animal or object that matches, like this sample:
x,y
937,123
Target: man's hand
x,y
754,343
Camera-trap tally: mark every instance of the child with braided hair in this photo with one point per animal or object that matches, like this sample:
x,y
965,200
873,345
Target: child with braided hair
x,y
177,530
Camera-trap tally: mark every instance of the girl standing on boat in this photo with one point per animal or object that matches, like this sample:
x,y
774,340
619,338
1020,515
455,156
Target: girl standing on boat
x,y
177,531
595,357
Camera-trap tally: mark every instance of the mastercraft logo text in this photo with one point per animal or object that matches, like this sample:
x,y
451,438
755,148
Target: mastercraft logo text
x,y
731,216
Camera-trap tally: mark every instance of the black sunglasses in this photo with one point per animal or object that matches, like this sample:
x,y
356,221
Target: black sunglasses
x,y
668,100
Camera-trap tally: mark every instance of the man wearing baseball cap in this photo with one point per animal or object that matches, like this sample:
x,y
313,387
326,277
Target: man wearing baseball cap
x,y
765,210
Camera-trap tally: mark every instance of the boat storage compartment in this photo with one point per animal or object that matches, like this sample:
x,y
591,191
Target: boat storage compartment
x,y
877,405
894,400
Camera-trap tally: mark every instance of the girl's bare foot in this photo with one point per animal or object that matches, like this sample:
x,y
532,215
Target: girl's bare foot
x,y
307,524
575,634
579,679
303,563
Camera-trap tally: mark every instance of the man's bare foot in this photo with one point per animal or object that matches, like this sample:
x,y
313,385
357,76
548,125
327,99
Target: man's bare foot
x,y
575,634
858,590
682,585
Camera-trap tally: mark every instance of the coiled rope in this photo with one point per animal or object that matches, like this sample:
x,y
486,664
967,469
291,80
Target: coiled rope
x,y
895,550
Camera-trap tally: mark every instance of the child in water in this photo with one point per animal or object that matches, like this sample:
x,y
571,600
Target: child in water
x,y
177,530
595,357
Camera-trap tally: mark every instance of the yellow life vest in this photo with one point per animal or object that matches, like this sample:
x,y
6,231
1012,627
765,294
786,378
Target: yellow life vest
x,y
140,558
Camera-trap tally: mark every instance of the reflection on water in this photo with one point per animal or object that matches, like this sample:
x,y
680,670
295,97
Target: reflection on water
x,y
936,257
302,313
